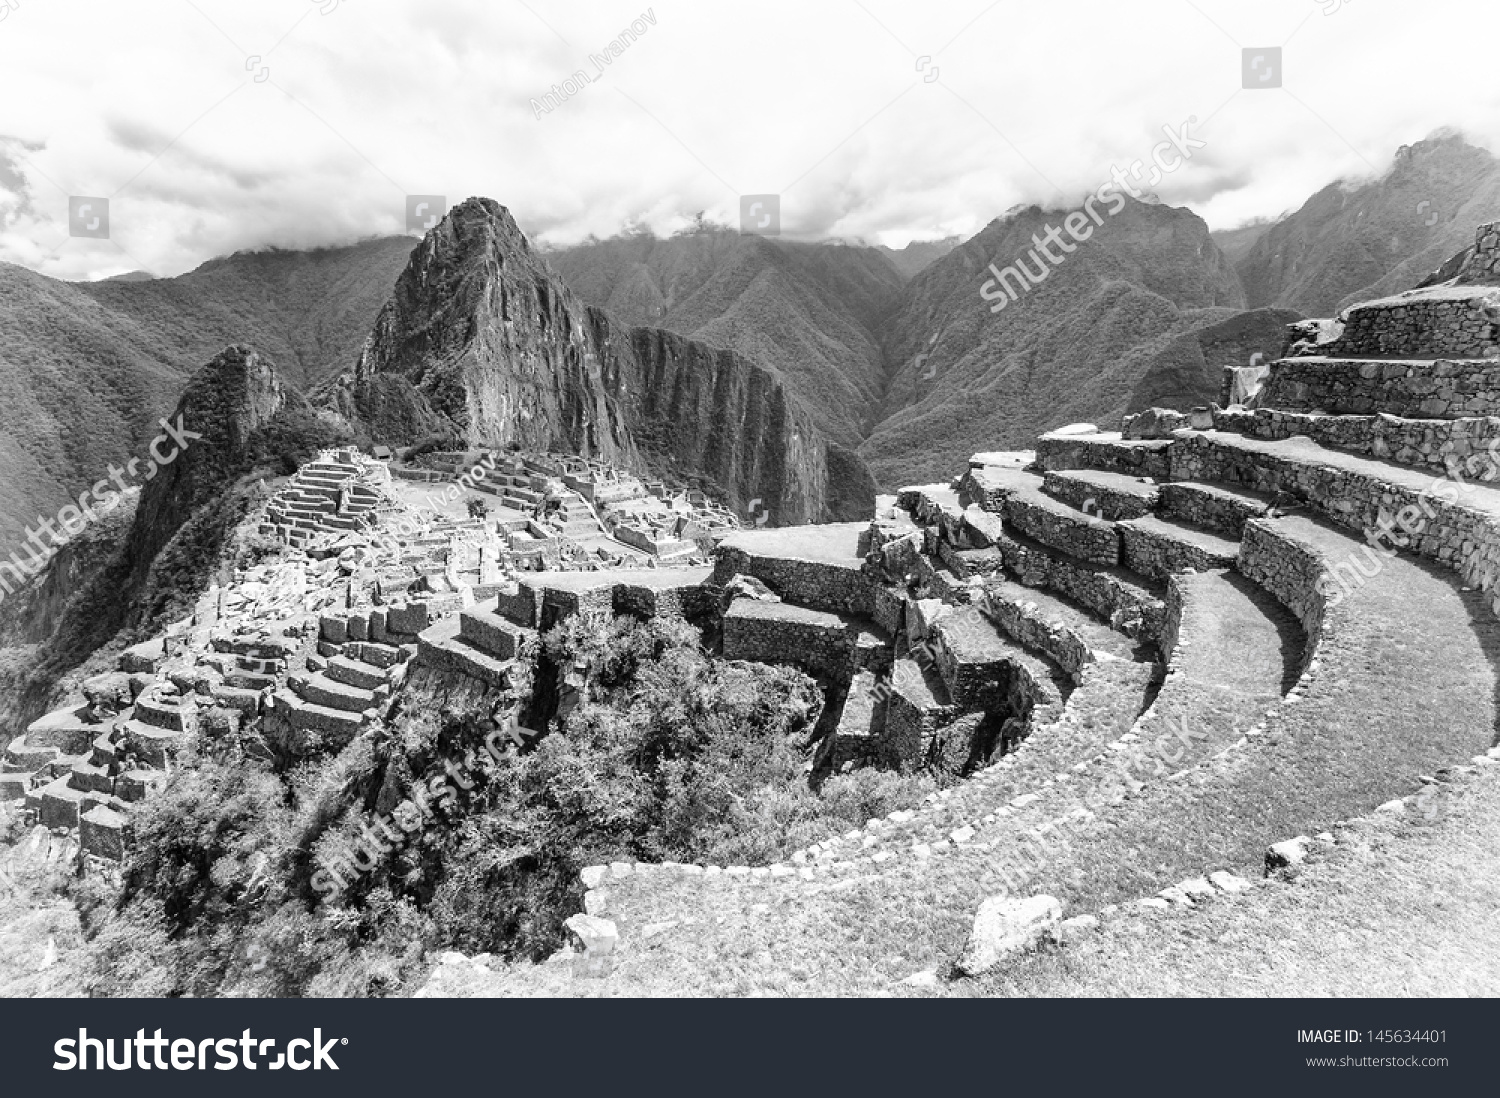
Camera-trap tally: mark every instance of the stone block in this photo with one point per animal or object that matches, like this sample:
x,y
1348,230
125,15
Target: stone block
x,y
1004,927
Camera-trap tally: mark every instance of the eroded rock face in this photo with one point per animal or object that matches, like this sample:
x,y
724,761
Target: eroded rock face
x,y
483,340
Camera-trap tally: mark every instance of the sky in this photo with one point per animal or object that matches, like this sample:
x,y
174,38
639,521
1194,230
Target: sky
x,y
213,126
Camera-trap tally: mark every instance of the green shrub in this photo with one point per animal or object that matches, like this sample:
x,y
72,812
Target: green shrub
x,y
663,753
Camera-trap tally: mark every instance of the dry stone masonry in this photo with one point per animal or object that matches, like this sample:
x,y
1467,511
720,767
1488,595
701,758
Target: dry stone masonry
x,y
1140,534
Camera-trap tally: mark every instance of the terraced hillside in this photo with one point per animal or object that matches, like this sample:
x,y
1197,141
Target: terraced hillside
x,y
1328,618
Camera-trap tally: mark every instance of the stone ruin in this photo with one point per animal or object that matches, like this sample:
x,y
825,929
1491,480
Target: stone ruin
x,y
305,652
1076,593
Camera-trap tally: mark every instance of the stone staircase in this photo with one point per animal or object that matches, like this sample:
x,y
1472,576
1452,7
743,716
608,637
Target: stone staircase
x,y
330,495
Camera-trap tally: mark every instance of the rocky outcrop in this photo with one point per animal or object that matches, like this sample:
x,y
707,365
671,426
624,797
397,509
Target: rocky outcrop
x,y
204,441
482,339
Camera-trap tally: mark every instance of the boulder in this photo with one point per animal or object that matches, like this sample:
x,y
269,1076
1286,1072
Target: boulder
x,y
1228,882
1004,927
599,937
1288,854
1080,926
748,587
1154,423
109,693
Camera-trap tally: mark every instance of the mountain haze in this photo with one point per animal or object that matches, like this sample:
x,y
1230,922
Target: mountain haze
x,y
1354,242
807,311
88,368
1113,328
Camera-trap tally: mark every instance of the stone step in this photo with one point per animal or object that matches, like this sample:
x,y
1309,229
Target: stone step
x,y
137,785
1034,513
982,667
253,665
57,803
375,653
306,716
1413,387
90,778
1103,493
319,689
104,750
1133,604
243,699
488,631
781,632
1105,450
254,647
161,713
249,680
1448,520
1222,508
102,832
917,707
441,648
1066,529
353,672
857,737
70,730
151,744
22,755
1052,627
14,785
1157,547
1427,443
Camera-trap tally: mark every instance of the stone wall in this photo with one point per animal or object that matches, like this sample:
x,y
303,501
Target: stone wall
x,y
776,632
1441,322
1433,519
1427,442
1024,624
822,585
1443,389
1137,458
1290,570
1117,598
1211,508
1482,266
1073,532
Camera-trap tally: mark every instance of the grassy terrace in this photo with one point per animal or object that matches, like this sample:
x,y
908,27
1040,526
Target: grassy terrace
x,y
1413,690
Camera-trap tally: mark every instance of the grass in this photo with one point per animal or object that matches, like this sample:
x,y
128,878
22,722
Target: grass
x,y
1393,704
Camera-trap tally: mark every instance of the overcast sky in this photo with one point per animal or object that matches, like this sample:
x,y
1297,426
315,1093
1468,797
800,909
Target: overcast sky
x,y
217,125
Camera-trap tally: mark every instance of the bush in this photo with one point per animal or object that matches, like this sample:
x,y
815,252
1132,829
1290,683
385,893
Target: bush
x,y
662,753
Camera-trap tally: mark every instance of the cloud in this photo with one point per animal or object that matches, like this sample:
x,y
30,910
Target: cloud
x,y
158,106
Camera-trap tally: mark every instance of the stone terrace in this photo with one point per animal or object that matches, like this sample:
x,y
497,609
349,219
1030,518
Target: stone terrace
x,y
1235,541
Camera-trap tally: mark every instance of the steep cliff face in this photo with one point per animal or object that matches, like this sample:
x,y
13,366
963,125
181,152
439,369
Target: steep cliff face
x,y
481,338
807,311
